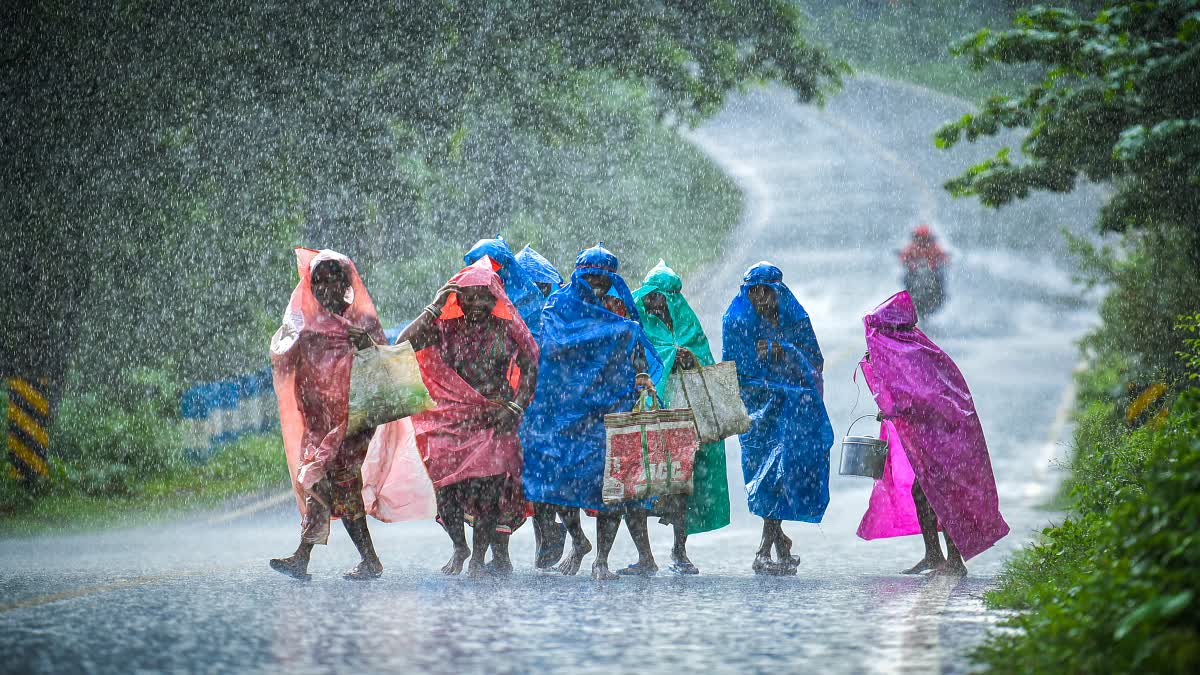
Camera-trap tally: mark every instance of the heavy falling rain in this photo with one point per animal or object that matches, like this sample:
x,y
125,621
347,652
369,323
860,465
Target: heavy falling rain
x,y
574,336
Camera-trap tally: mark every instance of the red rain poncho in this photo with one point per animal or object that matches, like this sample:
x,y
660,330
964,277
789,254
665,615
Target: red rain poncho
x,y
926,400
311,357
454,444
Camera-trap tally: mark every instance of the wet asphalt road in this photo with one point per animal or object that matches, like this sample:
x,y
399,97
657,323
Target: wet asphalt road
x,y
830,195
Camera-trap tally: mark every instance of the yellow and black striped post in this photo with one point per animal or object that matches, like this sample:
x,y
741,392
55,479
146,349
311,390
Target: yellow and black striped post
x,y
28,424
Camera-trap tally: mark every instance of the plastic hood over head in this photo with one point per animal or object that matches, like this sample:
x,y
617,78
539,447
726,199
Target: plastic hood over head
x,y
522,292
538,269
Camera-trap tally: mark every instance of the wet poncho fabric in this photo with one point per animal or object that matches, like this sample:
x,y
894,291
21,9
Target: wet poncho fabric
x,y
454,443
921,392
892,511
538,269
311,359
708,505
521,291
585,371
785,454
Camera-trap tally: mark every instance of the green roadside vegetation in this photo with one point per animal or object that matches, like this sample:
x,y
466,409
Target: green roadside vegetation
x,y
1113,588
178,153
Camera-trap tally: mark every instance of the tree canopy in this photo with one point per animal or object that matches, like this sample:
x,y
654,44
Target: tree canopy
x,y
170,153
1118,103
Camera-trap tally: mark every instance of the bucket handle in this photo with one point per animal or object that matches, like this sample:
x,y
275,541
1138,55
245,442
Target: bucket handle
x,y
858,420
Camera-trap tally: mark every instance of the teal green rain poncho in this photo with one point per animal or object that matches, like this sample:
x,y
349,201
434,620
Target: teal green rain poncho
x,y
708,507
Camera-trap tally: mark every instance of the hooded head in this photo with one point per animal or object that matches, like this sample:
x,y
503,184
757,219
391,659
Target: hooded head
x,y
329,297
896,313
524,295
481,293
538,269
596,270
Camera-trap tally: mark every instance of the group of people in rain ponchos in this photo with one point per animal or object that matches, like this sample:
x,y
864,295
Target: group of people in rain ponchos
x,y
524,364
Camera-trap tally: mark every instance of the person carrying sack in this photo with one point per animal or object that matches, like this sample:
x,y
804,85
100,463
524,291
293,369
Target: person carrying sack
x,y
329,317
679,340
593,362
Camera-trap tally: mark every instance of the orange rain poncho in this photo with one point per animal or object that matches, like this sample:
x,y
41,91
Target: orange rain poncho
x,y
311,358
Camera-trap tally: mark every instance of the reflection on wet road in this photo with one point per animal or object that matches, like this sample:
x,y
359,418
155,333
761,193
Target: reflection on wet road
x,y
830,195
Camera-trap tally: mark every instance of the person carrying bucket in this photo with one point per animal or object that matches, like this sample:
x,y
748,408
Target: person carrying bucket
x,y
938,474
676,334
785,454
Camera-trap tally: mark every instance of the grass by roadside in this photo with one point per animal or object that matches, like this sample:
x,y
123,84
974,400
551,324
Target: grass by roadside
x,y
1112,588
253,465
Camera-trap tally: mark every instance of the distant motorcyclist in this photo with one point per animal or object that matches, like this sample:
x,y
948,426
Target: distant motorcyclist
x,y
924,264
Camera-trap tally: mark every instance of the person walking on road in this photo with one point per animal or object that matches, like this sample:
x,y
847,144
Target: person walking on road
x,y
676,334
329,317
935,444
480,364
593,362
550,535
785,454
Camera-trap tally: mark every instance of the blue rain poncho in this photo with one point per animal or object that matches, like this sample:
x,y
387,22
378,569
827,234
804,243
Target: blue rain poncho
x,y
520,289
585,371
785,454
537,268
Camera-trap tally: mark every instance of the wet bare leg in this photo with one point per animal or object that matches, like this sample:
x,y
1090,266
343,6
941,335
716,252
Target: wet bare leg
x,y
933,549
295,565
451,513
548,536
501,564
783,547
580,546
954,565
370,567
607,527
762,558
639,531
481,540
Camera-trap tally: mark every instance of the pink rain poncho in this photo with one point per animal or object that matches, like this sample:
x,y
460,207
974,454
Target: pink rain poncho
x,y
311,357
455,442
395,484
931,425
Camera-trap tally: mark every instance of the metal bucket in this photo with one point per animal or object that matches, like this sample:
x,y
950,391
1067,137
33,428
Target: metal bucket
x,y
862,455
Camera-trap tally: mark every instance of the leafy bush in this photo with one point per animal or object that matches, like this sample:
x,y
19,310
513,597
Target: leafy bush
x,y
1113,589
107,441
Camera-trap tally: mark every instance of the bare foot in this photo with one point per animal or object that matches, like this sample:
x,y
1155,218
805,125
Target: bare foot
x,y
600,572
293,566
950,569
476,570
365,571
571,565
681,565
763,564
456,561
639,569
925,565
499,568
